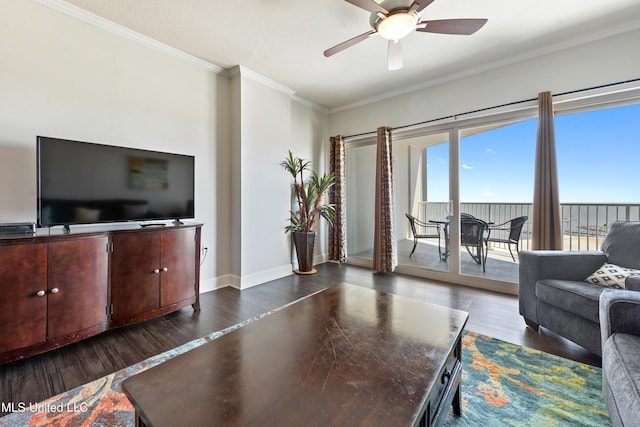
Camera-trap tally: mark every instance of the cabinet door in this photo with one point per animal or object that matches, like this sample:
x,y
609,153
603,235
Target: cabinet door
x,y
77,284
23,272
135,274
178,266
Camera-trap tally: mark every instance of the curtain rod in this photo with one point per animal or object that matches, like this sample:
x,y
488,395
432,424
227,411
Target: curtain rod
x,y
509,104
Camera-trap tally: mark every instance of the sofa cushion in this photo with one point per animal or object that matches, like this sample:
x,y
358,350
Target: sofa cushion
x,y
621,367
611,275
621,244
571,326
576,297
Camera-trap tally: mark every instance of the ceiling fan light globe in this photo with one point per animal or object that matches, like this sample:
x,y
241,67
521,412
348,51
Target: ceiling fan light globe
x,y
397,26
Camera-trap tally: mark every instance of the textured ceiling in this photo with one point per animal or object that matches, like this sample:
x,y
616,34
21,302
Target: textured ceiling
x,y
284,39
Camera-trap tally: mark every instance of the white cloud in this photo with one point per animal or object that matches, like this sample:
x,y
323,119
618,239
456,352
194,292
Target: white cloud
x,y
466,166
490,151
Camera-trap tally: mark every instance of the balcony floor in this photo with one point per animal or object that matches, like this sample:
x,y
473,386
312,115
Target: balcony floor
x,y
499,265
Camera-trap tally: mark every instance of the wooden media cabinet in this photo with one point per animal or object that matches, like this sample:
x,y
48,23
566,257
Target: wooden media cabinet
x,y
59,288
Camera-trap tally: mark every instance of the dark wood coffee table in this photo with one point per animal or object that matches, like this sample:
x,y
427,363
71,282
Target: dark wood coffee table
x,y
346,356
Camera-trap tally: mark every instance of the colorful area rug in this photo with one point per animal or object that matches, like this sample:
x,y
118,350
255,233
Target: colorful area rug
x,y
509,385
503,385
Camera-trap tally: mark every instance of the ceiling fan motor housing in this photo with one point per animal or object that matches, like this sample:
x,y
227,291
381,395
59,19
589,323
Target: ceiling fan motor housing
x,y
398,24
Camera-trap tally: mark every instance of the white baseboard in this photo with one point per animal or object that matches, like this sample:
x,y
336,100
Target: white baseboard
x,y
218,282
320,259
317,259
264,276
248,281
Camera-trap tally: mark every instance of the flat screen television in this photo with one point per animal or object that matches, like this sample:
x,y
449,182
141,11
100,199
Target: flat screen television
x,y
83,183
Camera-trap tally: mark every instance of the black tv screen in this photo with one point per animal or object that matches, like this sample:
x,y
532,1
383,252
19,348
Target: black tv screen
x,y
82,183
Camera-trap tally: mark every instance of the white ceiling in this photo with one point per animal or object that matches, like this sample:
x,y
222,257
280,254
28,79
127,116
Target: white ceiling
x,y
284,39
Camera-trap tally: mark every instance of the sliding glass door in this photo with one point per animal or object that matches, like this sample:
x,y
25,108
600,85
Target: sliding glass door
x,y
421,192
360,167
496,186
597,154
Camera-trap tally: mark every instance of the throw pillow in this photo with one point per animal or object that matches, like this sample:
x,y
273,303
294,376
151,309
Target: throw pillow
x,y
611,275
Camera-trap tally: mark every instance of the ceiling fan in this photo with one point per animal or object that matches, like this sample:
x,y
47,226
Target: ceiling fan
x,y
396,23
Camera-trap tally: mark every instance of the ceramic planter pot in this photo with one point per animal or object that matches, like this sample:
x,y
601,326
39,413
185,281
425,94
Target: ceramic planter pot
x,y
304,243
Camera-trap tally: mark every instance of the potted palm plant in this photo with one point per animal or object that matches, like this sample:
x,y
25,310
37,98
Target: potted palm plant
x,y
311,206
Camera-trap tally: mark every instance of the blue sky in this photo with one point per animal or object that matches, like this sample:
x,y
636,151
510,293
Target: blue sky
x,y
598,153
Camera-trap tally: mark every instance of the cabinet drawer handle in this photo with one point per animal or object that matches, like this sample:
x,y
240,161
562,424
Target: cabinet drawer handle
x,y
55,290
446,376
41,293
156,271
165,269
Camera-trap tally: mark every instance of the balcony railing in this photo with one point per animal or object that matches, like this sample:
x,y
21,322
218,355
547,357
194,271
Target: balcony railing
x,y
584,225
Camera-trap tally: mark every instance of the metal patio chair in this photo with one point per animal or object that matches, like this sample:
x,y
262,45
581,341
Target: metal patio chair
x,y
421,230
472,237
514,229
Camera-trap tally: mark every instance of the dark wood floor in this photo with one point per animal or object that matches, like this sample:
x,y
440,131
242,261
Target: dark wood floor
x,y
39,377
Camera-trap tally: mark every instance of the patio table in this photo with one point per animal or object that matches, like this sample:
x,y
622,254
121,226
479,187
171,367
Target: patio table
x,y
445,230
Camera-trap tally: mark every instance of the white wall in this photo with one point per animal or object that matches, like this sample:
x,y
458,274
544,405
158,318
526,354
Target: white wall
x,y
270,123
601,62
62,77
235,182
309,140
266,137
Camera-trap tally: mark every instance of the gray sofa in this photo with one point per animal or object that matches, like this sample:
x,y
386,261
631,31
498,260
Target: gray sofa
x,y
553,292
620,361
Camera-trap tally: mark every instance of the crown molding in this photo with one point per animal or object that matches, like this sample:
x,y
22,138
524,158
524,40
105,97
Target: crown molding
x,y
599,35
240,70
310,104
119,30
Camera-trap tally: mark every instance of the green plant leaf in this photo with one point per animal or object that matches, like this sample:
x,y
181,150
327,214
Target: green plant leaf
x,y
309,195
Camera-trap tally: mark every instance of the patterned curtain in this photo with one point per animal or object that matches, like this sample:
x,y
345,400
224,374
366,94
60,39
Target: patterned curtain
x,y
384,251
546,221
337,233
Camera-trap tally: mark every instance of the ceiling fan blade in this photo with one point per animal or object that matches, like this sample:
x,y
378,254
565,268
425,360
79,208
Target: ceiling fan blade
x,y
419,5
342,46
369,5
463,27
394,55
